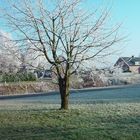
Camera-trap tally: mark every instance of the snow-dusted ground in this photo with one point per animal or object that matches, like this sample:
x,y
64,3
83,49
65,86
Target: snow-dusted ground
x,y
129,78
120,78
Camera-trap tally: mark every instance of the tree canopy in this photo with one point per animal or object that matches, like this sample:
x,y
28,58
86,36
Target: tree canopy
x,y
62,29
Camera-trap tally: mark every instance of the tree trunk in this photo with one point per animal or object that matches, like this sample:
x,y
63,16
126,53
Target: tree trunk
x,y
64,92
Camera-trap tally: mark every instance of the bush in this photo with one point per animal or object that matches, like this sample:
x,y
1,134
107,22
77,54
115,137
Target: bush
x,y
16,77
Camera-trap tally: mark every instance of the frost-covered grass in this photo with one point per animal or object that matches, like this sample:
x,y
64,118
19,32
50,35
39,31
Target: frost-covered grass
x,y
39,121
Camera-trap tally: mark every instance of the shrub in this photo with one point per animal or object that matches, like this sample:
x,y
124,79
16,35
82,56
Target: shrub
x,y
16,77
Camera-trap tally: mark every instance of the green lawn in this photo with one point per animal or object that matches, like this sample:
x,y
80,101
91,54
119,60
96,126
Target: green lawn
x,y
39,121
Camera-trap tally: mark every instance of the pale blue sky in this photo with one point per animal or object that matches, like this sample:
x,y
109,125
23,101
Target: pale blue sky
x,y
122,11
128,13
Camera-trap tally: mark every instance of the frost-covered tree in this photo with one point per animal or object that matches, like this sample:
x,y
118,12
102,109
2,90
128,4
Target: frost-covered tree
x,y
9,54
63,32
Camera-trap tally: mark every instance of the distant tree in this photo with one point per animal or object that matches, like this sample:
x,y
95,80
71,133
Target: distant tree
x,y
65,34
9,54
32,60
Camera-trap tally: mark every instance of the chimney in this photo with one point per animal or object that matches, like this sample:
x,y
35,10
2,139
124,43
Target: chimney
x,y
132,56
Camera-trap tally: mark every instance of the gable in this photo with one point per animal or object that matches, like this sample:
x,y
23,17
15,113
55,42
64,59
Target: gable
x,y
130,61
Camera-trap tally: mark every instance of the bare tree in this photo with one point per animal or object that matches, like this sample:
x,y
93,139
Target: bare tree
x,y
64,33
9,54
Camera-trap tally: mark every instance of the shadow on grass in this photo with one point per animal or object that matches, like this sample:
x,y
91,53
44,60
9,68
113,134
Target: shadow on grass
x,y
35,133
123,128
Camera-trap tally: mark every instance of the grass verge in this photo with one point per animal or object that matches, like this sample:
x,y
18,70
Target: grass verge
x,y
39,121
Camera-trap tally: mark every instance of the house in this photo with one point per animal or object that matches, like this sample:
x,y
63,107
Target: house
x,y
129,64
43,74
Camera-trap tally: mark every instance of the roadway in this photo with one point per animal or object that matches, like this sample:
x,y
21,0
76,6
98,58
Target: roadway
x,y
88,96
